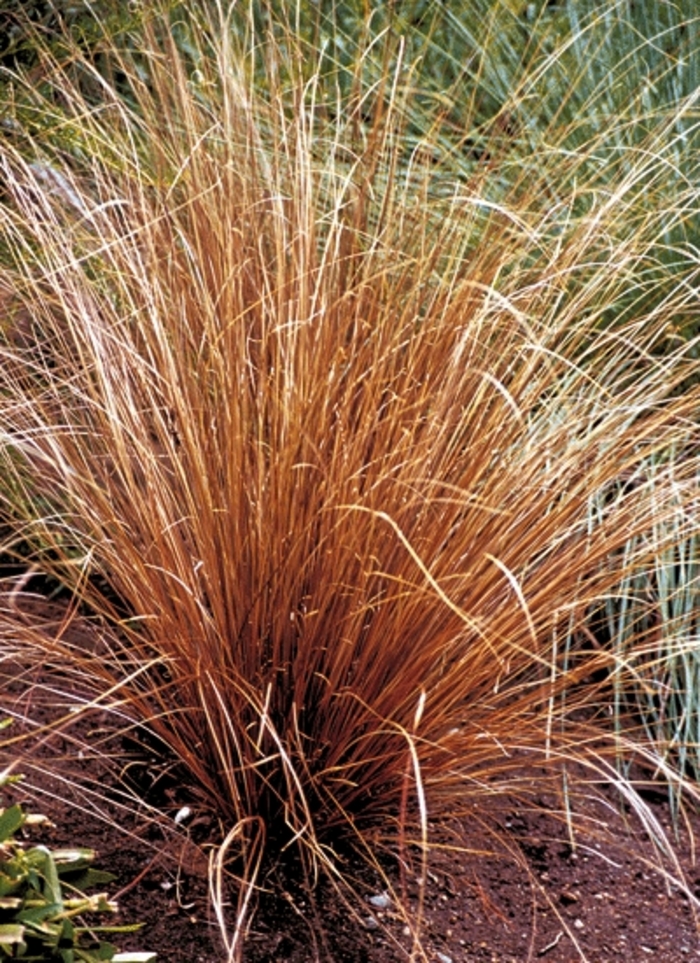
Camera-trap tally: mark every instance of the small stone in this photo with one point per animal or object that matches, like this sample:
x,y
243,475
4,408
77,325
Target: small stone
x,y
567,897
380,901
578,924
444,958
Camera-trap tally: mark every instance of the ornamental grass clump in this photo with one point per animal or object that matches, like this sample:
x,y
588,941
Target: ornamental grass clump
x,y
340,463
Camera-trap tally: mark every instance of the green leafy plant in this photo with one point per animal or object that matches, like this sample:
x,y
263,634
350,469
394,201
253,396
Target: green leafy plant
x,y
332,446
43,900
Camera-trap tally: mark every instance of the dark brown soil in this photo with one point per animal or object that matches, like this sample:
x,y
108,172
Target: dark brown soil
x,y
596,903
519,896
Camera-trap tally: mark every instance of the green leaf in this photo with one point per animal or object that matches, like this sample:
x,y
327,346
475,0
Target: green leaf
x,y
73,858
35,915
66,937
11,934
10,821
105,951
84,879
9,884
45,865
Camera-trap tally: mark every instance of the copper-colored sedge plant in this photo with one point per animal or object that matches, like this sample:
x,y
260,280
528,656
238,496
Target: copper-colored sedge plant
x,y
333,458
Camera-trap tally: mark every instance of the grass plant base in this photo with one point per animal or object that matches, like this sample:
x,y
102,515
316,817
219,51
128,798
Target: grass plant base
x,y
505,900
504,881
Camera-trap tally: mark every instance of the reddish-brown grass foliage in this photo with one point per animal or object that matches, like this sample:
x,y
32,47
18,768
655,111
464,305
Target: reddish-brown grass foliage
x,y
331,439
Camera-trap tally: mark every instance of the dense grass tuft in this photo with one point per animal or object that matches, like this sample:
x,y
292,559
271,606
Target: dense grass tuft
x,y
357,457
